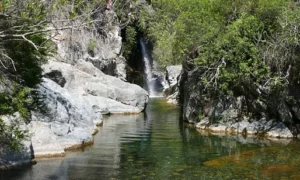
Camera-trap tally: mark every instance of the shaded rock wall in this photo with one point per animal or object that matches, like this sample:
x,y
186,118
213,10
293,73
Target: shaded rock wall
x,y
276,117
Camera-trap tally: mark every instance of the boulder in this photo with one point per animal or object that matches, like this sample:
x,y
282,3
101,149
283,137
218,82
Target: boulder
x,y
279,131
172,74
68,121
239,127
172,89
203,124
108,93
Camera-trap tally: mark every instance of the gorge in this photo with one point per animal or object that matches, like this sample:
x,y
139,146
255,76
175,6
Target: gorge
x,y
215,103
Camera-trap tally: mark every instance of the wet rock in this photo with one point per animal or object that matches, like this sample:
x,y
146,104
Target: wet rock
x,y
240,127
45,143
269,128
218,128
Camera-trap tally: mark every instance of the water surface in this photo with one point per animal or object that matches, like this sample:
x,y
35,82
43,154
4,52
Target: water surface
x,y
157,145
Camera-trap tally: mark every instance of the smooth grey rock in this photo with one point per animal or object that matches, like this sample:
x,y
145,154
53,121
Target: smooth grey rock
x,y
105,91
57,130
239,127
172,73
44,141
280,131
218,128
172,89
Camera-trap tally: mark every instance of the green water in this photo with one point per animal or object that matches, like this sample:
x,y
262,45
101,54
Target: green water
x,y
157,145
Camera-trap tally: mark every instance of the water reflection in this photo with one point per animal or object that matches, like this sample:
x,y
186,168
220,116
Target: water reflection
x,y
156,145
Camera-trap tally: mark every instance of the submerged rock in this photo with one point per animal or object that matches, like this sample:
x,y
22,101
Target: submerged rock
x,y
261,163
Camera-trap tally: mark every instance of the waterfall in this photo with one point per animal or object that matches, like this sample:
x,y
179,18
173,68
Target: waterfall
x,y
150,81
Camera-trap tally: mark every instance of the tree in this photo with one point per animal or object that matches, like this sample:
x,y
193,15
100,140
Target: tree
x,y
26,30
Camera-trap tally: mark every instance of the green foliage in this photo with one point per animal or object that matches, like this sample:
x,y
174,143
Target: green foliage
x,y
236,47
12,135
227,40
25,45
16,101
23,49
130,41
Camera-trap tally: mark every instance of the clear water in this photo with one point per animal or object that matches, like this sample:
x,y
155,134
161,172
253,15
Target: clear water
x,y
156,145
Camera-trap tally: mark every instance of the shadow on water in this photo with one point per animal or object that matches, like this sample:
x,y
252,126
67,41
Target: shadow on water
x,y
157,145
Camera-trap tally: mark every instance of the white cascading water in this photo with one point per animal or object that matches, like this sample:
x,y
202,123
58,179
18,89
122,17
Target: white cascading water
x,y
148,69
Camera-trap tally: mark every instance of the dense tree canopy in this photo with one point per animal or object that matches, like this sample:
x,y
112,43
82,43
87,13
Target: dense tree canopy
x,y
246,48
232,41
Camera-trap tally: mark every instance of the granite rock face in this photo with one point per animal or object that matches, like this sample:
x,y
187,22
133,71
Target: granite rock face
x,y
172,77
68,121
244,111
106,93
74,109
83,80
100,46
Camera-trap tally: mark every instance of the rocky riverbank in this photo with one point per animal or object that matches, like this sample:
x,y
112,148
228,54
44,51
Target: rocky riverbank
x,y
229,118
83,80
233,114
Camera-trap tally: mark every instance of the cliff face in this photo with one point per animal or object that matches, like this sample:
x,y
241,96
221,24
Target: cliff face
x,y
84,78
100,44
272,115
79,87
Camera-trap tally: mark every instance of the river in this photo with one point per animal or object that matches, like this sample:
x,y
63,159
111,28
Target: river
x,y
157,145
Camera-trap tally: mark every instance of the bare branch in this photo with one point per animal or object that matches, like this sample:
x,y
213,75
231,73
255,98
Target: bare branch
x,y
12,61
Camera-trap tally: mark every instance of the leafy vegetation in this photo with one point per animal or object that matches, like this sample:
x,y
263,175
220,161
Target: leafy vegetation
x,y
25,44
238,47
